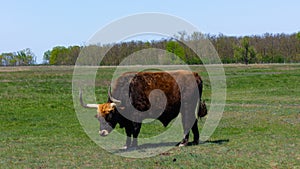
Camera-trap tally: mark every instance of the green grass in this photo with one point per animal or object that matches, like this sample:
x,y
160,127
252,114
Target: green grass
x,y
39,127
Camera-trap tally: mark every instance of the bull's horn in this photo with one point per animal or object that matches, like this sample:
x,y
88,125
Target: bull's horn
x,y
93,106
113,99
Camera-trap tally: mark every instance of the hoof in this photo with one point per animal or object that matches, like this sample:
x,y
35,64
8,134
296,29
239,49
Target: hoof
x,y
124,148
129,148
195,142
183,143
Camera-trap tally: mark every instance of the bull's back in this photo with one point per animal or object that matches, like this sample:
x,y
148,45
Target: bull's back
x,y
145,83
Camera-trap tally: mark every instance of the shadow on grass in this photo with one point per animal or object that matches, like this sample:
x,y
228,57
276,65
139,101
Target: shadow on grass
x,y
167,144
215,141
207,142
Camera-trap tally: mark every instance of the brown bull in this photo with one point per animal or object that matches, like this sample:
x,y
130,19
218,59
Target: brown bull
x,y
158,95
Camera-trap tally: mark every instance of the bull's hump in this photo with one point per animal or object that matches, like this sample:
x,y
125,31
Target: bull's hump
x,y
164,72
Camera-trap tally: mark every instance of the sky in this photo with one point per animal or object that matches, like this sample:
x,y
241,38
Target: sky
x,y
42,25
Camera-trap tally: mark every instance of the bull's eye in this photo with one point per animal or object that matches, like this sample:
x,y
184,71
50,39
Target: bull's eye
x,y
108,117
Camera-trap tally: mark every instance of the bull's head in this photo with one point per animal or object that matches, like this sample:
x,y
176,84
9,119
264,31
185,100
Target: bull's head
x,y
106,113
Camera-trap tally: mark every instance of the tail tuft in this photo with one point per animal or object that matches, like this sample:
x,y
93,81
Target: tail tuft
x,y
202,109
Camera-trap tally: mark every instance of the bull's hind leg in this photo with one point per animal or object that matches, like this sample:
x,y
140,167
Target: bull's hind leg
x,y
185,140
196,133
189,122
195,130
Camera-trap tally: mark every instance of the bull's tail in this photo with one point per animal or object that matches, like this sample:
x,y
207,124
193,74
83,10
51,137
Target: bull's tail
x,y
202,109
201,106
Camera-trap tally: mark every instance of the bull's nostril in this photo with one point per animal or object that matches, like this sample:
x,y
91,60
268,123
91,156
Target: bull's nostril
x,y
103,133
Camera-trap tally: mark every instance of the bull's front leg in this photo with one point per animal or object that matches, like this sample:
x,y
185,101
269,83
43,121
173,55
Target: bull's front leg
x,y
128,138
136,132
132,131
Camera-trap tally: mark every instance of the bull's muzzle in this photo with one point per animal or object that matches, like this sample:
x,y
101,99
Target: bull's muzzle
x,y
103,133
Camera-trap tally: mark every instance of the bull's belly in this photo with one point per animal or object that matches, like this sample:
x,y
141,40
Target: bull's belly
x,y
165,116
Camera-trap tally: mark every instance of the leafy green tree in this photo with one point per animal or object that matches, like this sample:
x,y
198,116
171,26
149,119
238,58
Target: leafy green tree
x,y
245,52
252,55
72,54
21,58
6,59
245,49
238,53
61,55
25,57
2,60
298,35
46,57
176,50
57,54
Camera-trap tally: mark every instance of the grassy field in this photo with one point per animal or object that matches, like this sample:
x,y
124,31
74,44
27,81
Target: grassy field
x,y
260,127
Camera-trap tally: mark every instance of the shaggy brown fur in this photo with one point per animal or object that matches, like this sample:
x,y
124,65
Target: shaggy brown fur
x,y
159,95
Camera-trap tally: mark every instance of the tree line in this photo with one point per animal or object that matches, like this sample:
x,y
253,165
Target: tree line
x,y
266,48
20,58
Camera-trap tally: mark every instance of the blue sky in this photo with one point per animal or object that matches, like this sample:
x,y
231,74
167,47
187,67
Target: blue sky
x,y
41,25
